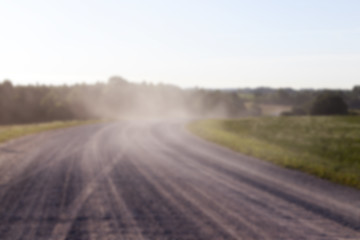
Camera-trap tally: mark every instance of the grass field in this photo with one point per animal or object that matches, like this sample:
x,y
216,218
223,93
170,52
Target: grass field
x,y
9,132
328,147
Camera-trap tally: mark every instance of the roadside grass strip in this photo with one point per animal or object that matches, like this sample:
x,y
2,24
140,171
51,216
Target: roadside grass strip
x,y
8,132
327,147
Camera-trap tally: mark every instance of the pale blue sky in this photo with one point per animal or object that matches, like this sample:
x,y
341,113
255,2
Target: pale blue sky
x,y
227,43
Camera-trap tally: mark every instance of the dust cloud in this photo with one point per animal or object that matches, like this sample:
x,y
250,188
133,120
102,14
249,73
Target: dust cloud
x,y
121,99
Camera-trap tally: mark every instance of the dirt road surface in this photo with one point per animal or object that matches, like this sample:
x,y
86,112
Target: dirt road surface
x,y
154,180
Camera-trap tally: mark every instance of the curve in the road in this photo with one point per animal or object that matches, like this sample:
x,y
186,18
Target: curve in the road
x,y
154,180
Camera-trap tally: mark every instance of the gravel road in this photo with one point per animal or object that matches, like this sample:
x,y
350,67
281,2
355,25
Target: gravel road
x,y
154,180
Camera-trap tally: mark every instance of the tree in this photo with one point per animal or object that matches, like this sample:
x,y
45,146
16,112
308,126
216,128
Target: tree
x,y
329,104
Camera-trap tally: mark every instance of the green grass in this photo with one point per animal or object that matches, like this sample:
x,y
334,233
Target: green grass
x,y
8,132
328,147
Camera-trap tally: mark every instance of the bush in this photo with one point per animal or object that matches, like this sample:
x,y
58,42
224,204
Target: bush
x,y
329,104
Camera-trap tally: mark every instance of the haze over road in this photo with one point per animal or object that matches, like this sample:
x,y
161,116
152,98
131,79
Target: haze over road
x,y
154,180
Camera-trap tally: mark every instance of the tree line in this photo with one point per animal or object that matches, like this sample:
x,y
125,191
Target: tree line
x,y
116,98
307,101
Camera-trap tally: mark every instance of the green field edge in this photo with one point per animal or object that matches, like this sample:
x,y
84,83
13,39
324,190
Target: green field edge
x,y
279,155
10,132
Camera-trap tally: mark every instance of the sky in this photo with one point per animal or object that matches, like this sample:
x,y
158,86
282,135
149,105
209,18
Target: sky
x,y
197,43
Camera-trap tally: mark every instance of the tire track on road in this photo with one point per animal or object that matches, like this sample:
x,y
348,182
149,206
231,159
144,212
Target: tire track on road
x,y
92,177
197,195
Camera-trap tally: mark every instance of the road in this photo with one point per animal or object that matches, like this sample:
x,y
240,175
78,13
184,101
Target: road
x,y
154,180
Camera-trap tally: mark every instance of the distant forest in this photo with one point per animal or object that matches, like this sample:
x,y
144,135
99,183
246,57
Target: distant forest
x,y
294,97
306,101
119,98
